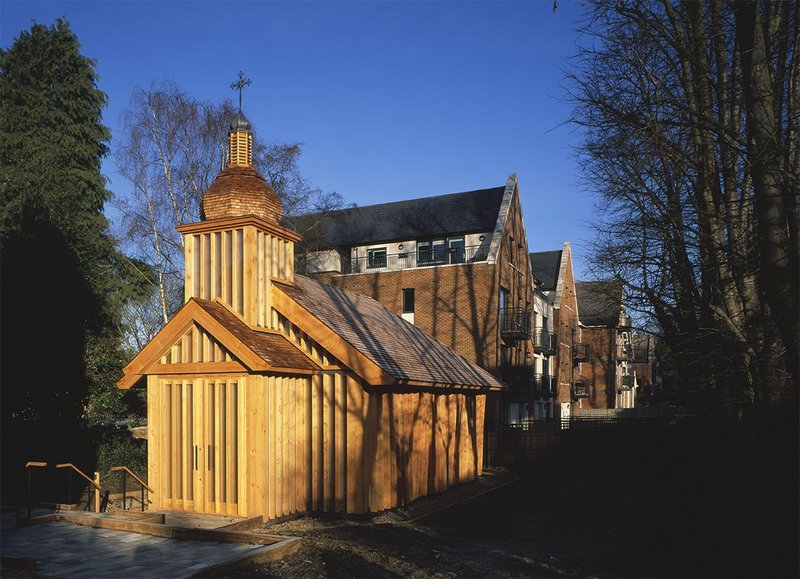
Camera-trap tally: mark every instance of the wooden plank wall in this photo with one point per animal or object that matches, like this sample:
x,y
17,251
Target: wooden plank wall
x,y
195,455
277,446
297,444
196,346
302,340
326,444
235,266
405,446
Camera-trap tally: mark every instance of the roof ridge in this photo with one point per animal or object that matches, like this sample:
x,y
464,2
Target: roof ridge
x,y
401,201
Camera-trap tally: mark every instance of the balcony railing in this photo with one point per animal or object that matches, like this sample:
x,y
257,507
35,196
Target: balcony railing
x,y
580,390
626,382
515,324
544,341
581,353
544,385
413,259
625,353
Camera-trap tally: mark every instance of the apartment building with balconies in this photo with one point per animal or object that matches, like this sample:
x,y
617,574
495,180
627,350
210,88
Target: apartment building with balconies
x,y
457,267
553,272
606,377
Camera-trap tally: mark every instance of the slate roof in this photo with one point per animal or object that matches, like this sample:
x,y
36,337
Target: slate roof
x,y
599,302
275,349
546,265
452,214
398,347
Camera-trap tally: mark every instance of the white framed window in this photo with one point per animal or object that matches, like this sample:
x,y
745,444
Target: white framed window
x,y
376,257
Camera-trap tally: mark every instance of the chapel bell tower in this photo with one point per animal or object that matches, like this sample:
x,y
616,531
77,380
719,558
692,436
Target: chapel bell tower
x,y
238,248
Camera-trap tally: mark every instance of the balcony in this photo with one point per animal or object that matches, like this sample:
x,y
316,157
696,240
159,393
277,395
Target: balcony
x,y
581,353
379,262
515,324
580,390
625,353
544,385
544,342
626,382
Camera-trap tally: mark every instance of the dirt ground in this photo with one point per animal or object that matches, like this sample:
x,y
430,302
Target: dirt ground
x,y
664,512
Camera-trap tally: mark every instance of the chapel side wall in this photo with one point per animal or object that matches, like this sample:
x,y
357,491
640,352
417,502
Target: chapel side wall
x,y
337,447
408,445
328,444
277,445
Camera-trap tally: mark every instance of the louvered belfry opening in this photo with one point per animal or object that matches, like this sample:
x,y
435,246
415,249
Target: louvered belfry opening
x,y
241,149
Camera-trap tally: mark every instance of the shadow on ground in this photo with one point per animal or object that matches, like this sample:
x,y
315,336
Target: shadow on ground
x,y
707,498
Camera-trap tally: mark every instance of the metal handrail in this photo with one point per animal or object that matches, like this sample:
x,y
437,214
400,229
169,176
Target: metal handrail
x,y
80,472
126,469
28,465
95,483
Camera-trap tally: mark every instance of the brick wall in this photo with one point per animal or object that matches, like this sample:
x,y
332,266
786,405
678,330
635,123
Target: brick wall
x,y
566,328
456,304
599,373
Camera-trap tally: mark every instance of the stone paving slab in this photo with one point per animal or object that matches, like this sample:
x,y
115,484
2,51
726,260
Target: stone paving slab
x,y
65,550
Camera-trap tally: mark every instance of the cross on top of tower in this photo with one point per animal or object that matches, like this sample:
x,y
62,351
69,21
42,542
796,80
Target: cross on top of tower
x,y
240,83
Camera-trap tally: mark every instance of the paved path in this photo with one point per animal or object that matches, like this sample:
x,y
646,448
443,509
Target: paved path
x,y
66,550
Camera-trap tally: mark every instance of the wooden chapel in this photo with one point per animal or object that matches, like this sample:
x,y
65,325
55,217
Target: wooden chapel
x,y
272,394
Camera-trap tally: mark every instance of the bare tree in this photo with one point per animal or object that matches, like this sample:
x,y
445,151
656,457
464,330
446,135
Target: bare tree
x,y
672,149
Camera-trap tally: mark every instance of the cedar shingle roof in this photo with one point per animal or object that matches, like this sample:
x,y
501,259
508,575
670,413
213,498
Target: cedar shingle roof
x,y
453,214
398,347
275,349
546,265
599,302
238,191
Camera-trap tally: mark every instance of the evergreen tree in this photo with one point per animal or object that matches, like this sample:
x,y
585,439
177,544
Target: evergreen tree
x,y
60,269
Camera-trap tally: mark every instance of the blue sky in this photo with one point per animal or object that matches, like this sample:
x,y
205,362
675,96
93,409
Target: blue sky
x,y
392,100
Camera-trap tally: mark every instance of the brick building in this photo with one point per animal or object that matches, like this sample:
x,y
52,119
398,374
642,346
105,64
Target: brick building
x,y
606,378
554,273
457,267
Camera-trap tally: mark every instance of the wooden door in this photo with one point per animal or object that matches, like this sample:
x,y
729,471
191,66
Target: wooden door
x,y
200,460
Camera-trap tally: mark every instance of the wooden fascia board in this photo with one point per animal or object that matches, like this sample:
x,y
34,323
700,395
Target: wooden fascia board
x,y
198,368
340,348
304,371
447,386
156,348
236,223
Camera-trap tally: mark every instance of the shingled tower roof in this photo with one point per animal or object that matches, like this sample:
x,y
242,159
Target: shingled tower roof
x,y
239,189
